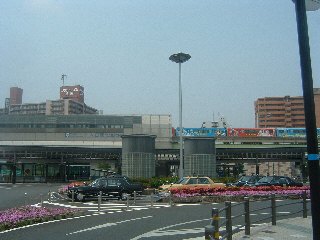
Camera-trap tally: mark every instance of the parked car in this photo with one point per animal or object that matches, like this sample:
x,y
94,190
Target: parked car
x,y
246,181
192,182
278,181
115,186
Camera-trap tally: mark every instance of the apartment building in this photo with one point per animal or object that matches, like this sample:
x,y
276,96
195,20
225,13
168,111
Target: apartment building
x,y
284,111
71,102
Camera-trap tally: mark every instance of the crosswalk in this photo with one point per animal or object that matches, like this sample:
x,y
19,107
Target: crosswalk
x,y
107,207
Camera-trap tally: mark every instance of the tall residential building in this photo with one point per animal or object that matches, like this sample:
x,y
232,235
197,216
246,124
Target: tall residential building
x,y
52,107
15,95
284,111
71,102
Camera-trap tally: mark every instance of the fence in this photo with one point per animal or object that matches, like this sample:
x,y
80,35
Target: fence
x,y
130,200
214,230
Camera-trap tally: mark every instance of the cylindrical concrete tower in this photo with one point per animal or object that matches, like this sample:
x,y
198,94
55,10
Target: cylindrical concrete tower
x,y
200,156
138,155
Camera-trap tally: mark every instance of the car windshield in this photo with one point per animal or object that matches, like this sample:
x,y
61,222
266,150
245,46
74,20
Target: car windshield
x,y
245,179
265,179
95,183
183,181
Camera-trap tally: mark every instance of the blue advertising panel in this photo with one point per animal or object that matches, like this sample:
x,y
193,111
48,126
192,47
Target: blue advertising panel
x,y
202,132
291,132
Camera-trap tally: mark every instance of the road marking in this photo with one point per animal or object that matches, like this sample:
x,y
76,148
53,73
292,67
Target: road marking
x,y
107,225
150,234
298,236
187,204
37,224
173,232
265,238
118,207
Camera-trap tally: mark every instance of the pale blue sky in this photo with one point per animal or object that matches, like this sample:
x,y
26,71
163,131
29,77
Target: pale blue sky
x,y
119,51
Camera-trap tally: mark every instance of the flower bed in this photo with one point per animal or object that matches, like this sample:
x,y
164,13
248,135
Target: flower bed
x,y
25,215
207,194
64,189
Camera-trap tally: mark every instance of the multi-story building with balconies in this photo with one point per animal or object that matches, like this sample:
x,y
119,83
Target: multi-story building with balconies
x,y
284,111
71,102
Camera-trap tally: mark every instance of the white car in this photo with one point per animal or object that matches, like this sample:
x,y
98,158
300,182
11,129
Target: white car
x,y
186,182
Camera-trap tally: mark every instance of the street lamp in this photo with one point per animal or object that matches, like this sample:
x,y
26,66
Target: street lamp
x,y
301,7
180,58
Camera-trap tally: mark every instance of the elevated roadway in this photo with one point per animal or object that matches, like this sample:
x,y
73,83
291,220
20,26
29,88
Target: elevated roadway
x,y
227,149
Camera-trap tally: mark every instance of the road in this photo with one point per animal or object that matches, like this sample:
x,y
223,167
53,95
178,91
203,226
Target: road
x,y
13,195
138,221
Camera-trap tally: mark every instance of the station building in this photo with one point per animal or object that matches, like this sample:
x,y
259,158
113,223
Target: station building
x,y
69,147
65,139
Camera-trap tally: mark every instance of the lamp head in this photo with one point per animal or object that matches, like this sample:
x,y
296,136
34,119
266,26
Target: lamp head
x,y
179,57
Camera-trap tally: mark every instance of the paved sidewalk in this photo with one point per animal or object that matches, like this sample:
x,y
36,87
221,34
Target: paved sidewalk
x,y
289,229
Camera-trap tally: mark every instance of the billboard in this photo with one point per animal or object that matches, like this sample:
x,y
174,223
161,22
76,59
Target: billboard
x,y
251,132
202,132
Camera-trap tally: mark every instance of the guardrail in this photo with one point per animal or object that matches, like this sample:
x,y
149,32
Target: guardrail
x,y
214,230
129,200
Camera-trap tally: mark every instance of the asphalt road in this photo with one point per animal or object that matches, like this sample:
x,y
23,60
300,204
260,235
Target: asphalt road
x,y
140,221
13,195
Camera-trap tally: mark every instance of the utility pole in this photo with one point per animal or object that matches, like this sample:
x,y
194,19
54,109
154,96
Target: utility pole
x,y
309,108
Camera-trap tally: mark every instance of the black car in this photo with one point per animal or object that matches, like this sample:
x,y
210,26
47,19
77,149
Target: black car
x,y
246,181
278,181
114,186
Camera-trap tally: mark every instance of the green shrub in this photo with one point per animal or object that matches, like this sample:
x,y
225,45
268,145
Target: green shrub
x,y
155,182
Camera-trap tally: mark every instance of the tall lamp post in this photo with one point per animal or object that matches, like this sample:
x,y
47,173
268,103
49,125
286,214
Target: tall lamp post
x,y
180,58
301,7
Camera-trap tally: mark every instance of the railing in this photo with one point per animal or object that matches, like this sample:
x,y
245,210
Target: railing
x,y
219,229
130,200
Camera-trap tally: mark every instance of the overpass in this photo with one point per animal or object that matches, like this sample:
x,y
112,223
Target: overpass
x,y
228,149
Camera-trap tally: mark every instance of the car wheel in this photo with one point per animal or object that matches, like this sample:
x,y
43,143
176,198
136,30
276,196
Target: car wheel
x,y
80,197
123,196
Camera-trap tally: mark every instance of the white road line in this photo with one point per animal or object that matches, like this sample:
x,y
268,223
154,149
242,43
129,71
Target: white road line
x,y
37,224
114,207
173,232
187,204
149,234
107,225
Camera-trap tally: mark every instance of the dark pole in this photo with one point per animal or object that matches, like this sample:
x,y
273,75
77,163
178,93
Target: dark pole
x,y
310,119
14,169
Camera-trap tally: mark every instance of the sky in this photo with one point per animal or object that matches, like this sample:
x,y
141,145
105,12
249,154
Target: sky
x,y
119,50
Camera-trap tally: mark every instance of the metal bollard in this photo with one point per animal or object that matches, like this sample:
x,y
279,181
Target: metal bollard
x,y
228,220
99,201
212,231
208,232
151,199
216,218
273,210
134,197
127,202
41,200
25,198
247,216
304,203
72,195
170,199
49,196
